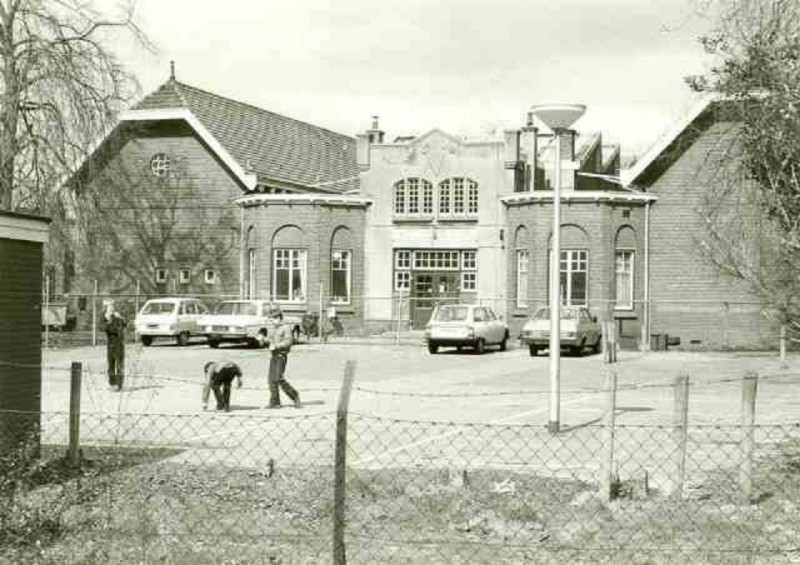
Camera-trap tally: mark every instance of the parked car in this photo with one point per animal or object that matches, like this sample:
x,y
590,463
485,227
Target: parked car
x,y
470,325
242,321
170,317
578,329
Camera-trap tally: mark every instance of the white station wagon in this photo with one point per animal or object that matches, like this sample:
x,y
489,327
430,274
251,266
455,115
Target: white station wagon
x,y
169,317
242,321
471,325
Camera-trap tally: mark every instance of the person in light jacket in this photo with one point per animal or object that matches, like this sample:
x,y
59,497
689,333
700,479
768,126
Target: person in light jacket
x,y
280,343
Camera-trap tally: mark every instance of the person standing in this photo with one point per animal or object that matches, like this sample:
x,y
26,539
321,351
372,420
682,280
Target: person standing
x,y
219,377
280,343
114,325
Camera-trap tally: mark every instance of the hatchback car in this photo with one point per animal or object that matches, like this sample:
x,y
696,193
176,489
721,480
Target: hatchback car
x,y
578,329
470,325
169,317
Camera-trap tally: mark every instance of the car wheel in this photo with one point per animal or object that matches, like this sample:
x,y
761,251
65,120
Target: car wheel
x,y
254,343
213,343
504,343
597,346
183,339
480,346
533,350
147,340
433,348
577,350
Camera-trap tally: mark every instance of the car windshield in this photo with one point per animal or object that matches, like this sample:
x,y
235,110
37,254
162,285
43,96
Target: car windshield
x,y
544,314
159,308
237,309
451,314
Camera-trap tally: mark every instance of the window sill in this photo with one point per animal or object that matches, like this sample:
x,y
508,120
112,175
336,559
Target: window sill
x,y
458,218
412,219
625,313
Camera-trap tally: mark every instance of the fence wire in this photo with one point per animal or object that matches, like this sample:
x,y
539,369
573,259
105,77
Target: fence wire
x,y
215,487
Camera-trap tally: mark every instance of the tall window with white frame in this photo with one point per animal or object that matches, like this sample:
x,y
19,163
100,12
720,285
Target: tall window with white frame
x,y
250,289
341,268
402,270
623,260
469,271
458,199
574,277
289,275
523,257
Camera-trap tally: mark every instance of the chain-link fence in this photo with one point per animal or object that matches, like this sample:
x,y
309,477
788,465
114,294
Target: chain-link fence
x,y
298,487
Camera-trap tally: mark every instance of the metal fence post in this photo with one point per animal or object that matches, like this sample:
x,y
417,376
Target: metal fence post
x,y
607,463
680,420
339,482
73,453
747,443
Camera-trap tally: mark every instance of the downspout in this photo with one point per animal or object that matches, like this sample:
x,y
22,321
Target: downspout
x,y
646,309
241,251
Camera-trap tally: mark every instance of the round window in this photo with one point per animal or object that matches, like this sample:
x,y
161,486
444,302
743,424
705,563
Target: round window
x,y
159,164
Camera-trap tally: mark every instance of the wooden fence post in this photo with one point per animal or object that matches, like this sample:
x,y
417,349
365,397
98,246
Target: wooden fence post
x,y
94,314
340,469
747,443
609,420
783,343
680,421
74,454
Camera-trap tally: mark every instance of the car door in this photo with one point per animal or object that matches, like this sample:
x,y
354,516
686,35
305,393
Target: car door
x,y
201,311
494,326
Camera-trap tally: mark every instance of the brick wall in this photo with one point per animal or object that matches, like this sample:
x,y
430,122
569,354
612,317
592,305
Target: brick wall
x,y
585,225
318,222
690,298
204,191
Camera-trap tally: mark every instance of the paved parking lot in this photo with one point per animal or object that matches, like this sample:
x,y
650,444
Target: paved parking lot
x,y
406,382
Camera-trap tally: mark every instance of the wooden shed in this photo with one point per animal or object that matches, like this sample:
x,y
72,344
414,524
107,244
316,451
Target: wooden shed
x,y
22,240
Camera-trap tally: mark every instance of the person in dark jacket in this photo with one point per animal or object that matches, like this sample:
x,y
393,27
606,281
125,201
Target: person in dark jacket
x,y
219,377
280,343
113,323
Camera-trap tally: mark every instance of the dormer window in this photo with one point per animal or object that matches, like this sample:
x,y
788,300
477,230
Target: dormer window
x,y
159,164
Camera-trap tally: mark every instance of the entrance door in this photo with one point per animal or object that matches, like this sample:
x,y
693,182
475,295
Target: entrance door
x,y
428,291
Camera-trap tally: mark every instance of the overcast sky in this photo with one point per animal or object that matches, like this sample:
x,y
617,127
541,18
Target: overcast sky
x,y
465,66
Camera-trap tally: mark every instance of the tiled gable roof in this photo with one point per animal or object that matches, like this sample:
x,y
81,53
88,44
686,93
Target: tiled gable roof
x,y
277,148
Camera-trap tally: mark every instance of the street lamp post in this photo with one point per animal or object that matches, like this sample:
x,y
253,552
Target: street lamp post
x,y
558,117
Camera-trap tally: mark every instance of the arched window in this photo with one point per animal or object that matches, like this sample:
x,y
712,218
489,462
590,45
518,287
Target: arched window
x,y
458,198
522,266
624,255
413,197
289,265
342,245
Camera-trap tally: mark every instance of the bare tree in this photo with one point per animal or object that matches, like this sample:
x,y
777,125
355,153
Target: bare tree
x,y
752,208
130,223
60,88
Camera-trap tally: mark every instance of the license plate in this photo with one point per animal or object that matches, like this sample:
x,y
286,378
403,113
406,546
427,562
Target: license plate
x,y
219,328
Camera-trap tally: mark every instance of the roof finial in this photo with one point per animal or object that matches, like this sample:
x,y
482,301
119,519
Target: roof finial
x,y
172,70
